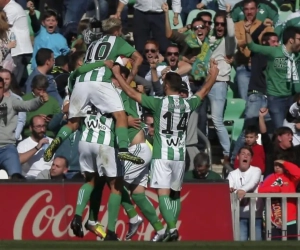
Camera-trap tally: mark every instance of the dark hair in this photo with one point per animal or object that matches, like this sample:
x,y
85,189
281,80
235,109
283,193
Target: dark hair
x,y
251,130
281,131
2,81
61,60
246,148
17,176
42,56
290,32
49,13
201,159
39,81
196,20
245,2
31,121
204,13
173,46
73,58
64,158
124,71
174,81
266,36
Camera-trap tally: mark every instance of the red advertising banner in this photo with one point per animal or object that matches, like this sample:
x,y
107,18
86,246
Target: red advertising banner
x,y
43,211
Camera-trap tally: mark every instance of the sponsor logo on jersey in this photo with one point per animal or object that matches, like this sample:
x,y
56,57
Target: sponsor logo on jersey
x,y
177,142
95,124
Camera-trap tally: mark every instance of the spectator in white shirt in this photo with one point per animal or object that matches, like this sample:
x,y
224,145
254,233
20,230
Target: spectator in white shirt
x,y
17,18
31,150
245,179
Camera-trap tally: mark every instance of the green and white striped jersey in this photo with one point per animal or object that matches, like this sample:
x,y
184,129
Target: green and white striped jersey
x,y
98,128
171,115
106,48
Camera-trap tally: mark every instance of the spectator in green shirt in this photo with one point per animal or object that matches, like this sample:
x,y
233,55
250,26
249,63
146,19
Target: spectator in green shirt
x,y
48,110
281,73
201,170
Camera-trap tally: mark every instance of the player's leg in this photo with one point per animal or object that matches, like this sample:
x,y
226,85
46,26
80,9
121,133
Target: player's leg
x,y
106,98
175,204
161,179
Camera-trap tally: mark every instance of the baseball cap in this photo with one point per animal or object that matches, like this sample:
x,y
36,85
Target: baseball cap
x,y
184,87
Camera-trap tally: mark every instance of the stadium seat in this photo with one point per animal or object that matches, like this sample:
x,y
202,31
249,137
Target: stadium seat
x,y
194,13
230,92
275,4
37,13
237,129
233,111
180,24
131,2
283,15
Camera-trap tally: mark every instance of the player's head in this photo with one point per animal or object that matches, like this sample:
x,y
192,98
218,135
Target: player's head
x,y
251,135
76,60
172,83
50,20
124,73
112,26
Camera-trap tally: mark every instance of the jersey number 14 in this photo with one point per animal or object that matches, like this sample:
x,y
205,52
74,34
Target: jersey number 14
x,y
181,126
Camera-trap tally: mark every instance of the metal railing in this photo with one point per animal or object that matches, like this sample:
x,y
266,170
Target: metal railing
x,y
207,144
97,9
235,208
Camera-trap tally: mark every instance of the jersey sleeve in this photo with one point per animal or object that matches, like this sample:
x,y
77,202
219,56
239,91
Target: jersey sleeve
x,y
194,102
86,68
150,102
124,48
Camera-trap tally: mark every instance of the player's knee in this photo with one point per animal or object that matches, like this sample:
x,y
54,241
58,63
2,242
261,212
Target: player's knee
x,y
89,177
116,184
174,194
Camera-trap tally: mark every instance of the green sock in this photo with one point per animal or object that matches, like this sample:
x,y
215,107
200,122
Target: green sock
x,y
114,203
84,195
148,210
64,133
127,204
122,138
176,206
95,201
166,210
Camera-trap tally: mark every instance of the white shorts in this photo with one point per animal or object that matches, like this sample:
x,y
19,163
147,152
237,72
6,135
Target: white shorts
x,y
94,157
102,95
138,174
167,174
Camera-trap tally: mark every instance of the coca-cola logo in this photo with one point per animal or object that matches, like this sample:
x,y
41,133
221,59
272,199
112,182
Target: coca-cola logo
x,y
48,219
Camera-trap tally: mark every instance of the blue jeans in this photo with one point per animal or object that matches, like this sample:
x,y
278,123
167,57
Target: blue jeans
x,y
9,160
74,10
278,107
243,75
217,98
254,103
245,229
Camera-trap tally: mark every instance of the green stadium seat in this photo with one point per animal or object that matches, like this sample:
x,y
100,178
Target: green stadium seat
x,y
283,15
237,129
37,13
180,24
131,2
234,110
194,13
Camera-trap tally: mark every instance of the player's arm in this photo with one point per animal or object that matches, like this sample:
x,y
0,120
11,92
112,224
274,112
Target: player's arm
x,y
210,79
132,93
137,61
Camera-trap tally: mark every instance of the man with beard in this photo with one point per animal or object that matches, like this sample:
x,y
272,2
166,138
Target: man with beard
x,y
45,62
31,150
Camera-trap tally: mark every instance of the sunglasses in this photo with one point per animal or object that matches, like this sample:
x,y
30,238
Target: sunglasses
x,y
150,50
172,53
198,27
207,22
221,24
151,125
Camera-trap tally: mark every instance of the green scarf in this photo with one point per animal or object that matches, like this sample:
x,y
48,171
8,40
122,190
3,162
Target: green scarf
x,y
200,66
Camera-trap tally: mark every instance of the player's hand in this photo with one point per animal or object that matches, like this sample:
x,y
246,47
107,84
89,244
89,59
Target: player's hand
x,y
175,20
241,194
247,26
44,97
42,142
30,7
109,63
134,122
116,69
263,112
165,7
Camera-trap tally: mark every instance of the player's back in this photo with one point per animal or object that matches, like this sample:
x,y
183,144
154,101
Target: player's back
x,y
170,124
106,48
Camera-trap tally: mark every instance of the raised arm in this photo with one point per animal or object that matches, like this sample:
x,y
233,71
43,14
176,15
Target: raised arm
x,y
31,105
165,8
35,24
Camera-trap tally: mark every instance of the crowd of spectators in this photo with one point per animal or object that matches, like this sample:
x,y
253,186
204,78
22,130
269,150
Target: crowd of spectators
x,y
257,53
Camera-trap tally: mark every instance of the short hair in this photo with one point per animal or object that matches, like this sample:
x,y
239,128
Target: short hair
x,y
1,81
196,20
173,46
245,2
64,158
246,148
201,159
152,42
110,25
174,80
31,121
3,70
124,71
74,57
61,60
290,32
204,13
266,36
251,130
39,81
49,13
42,56
281,131
17,176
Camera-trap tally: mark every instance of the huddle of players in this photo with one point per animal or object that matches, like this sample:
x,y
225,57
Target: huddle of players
x,y
112,152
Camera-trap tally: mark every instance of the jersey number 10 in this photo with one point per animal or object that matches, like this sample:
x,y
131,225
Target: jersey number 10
x,y
101,52
181,126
